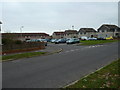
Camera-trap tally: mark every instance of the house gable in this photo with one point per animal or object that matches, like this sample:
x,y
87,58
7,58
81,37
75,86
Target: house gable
x,y
86,30
108,28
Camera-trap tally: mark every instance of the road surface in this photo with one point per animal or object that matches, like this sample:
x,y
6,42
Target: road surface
x,y
57,70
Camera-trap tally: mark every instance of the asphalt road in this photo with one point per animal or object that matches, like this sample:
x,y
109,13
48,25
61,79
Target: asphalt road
x,y
57,70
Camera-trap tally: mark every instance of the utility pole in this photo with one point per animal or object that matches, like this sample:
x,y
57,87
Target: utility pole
x,y
73,27
21,31
0,25
0,34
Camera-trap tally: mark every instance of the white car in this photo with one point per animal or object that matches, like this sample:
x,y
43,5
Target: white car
x,y
92,38
84,38
53,40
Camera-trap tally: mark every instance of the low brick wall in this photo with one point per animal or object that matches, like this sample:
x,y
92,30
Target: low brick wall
x,y
23,47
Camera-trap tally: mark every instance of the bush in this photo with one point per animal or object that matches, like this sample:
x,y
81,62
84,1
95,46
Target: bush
x,y
18,42
7,41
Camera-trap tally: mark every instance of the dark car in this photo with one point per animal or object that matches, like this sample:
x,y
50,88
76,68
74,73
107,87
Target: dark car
x,y
60,41
101,38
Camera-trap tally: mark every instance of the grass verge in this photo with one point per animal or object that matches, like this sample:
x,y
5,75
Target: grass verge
x,y
107,77
23,55
94,42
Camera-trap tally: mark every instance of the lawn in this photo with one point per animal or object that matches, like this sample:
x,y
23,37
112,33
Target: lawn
x,y
107,77
94,42
23,55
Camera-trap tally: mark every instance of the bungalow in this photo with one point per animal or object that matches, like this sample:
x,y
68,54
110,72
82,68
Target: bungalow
x,y
58,35
71,34
88,32
107,30
25,36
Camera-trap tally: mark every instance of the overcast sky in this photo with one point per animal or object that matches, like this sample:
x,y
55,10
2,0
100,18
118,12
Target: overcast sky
x,y
57,16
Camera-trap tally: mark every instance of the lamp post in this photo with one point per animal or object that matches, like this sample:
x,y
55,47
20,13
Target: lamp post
x,y
21,31
0,34
0,25
73,27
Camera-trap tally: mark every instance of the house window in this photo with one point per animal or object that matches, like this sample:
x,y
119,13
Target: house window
x,y
81,33
84,32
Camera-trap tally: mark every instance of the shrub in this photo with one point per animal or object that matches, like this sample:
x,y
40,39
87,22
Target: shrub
x,y
18,42
7,41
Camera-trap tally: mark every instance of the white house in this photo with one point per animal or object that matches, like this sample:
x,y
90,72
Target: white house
x,y
88,32
107,30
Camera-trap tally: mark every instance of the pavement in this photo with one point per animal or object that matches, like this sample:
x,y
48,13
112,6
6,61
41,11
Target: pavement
x,y
59,69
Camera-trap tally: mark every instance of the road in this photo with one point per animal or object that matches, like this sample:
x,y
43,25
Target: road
x,y
57,70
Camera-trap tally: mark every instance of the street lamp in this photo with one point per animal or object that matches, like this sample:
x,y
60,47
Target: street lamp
x,y
21,31
73,27
0,34
0,25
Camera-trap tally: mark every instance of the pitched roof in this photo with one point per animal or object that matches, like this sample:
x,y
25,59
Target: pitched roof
x,y
42,34
59,33
87,30
70,31
109,26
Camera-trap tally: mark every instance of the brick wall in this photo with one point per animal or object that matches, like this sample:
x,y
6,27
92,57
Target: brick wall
x,y
13,48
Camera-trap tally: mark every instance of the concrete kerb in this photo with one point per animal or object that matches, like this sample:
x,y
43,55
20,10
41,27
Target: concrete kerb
x,y
74,82
57,51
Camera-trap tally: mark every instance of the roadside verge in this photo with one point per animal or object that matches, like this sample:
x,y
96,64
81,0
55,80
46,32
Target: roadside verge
x,y
28,55
105,77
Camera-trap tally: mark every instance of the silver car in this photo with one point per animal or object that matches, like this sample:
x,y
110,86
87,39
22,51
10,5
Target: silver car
x,y
73,41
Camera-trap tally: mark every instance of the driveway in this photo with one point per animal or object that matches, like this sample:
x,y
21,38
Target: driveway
x,y
57,70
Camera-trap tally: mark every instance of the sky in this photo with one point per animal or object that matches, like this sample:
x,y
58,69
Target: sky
x,y
56,16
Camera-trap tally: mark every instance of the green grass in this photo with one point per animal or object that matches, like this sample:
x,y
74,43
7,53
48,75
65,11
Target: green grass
x,y
94,42
23,55
107,77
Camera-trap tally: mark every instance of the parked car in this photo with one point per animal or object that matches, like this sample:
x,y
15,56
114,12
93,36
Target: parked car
x,y
38,40
84,38
53,40
73,41
101,38
48,40
109,38
42,40
60,41
92,38
32,40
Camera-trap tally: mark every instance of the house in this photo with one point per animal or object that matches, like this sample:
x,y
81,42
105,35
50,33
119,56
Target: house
x,y
58,35
71,34
26,36
108,30
88,32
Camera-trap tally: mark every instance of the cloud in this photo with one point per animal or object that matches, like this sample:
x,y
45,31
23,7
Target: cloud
x,y
45,16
